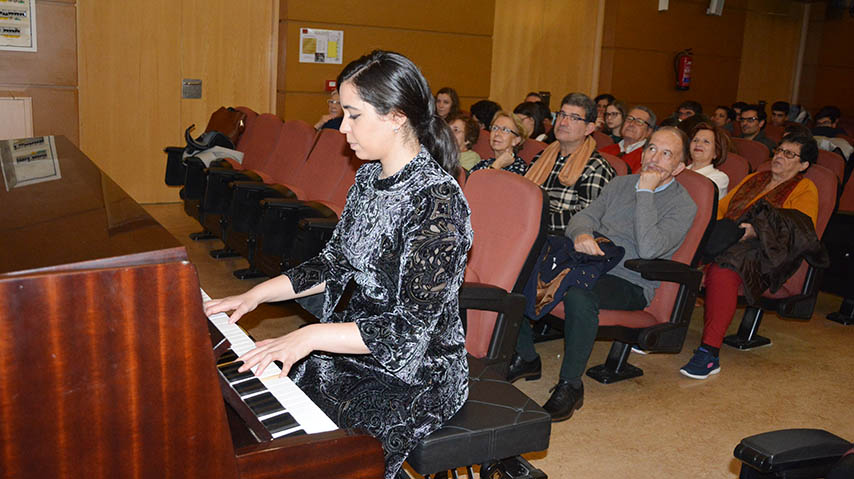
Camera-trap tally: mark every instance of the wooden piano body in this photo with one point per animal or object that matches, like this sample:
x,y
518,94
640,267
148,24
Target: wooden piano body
x,y
106,367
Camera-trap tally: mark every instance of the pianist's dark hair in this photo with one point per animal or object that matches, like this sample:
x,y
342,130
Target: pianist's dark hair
x,y
390,82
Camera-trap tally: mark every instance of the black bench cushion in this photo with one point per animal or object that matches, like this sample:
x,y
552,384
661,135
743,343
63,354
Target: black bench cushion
x,y
496,422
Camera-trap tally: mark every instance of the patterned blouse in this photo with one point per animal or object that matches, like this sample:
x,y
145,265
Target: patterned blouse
x,y
518,166
403,241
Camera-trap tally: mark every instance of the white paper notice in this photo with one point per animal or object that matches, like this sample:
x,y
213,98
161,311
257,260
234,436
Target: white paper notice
x,y
320,46
27,161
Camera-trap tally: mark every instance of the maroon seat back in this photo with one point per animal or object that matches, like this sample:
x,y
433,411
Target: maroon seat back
x,y
328,161
833,162
498,199
617,163
756,153
736,168
846,201
602,140
258,141
482,146
295,142
530,149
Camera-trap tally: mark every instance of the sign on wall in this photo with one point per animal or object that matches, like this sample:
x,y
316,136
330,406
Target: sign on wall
x,y
18,25
320,46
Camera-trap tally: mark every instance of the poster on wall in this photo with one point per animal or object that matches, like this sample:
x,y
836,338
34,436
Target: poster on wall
x,y
18,25
320,46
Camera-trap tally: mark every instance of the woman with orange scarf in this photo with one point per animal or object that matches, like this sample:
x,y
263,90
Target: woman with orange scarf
x,y
783,186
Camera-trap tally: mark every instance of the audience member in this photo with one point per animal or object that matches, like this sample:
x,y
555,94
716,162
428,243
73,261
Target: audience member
x,y
779,113
483,111
647,214
783,187
533,97
447,102
737,107
506,137
724,117
533,116
602,101
639,124
615,114
571,170
332,119
688,109
827,121
466,131
708,150
752,120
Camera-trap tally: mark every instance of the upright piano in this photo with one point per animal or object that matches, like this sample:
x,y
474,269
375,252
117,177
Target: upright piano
x,y
107,368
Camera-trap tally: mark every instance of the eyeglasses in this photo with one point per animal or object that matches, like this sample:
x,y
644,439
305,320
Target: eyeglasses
x,y
562,115
789,154
637,121
504,129
750,119
333,102
612,114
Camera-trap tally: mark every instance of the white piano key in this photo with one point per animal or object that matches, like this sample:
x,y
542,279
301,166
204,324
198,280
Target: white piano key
x,y
310,417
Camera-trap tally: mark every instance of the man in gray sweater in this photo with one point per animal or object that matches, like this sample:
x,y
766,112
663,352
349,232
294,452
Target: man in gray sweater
x,y
649,215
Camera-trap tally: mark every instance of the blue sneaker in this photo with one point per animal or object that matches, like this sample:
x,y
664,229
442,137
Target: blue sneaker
x,y
702,365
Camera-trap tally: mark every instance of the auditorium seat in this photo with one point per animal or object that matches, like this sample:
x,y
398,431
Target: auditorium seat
x,y
498,422
482,146
797,297
530,149
602,140
663,324
754,152
736,168
833,162
795,453
839,278
617,163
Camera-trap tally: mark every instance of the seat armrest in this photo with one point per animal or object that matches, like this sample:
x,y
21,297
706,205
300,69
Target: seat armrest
x,y
510,306
270,190
317,224
173,149
232,173
666,270
810,452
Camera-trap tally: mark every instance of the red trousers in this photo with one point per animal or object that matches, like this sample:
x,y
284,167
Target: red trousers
x,y
721,300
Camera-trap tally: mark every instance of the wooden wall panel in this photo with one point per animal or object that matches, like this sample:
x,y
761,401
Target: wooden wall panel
x,y
55,62
130,90
639,44
542,45
772,33
451,49
48,76
132,59
232,52
828,76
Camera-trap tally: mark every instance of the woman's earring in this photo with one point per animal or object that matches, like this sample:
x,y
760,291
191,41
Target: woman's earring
x,y
397,129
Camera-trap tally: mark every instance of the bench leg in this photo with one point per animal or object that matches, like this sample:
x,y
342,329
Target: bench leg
x,y
616,367
748,336
845,315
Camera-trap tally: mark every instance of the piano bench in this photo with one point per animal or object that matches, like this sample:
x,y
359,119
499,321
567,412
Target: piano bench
x,y
497,421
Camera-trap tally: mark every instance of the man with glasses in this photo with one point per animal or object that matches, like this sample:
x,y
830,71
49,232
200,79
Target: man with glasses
x,y
649,215
752,121
637,127
571,170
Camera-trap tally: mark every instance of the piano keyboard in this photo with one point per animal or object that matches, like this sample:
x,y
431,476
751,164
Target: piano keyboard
x,y
277,403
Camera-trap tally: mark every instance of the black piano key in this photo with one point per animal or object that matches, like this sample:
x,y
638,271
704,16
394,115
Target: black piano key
x,y
280,423
264,404
298,432
230,372
228,357
251,386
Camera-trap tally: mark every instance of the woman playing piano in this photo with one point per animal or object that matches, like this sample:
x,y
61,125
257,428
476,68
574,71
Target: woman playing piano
x,y
393,363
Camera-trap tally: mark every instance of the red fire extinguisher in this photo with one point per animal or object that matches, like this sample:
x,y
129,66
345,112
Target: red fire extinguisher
x,y
682,66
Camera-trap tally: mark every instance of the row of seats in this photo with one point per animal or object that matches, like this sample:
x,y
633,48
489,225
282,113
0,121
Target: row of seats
x,y
499,422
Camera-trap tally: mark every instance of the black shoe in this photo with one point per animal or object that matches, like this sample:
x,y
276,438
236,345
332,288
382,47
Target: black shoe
x,y
519,368
564,401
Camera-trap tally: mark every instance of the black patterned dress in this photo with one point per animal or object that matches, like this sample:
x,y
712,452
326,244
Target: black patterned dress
x,y
403,241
